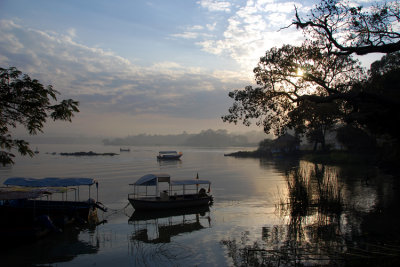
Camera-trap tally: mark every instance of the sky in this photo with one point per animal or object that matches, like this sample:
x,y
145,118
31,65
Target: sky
x,y
144,66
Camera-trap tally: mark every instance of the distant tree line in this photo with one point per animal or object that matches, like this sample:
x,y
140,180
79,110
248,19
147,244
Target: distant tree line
x,y
206,138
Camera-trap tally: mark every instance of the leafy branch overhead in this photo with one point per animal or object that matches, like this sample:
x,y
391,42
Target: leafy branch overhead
x,y
343,28
26,102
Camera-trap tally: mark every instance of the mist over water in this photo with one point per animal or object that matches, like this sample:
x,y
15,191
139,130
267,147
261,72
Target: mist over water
x,y
247,212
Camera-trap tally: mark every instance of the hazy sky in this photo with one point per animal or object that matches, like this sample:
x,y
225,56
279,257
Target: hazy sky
x,y
155,66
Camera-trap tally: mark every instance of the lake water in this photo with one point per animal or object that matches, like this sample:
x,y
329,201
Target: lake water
x,y
254,219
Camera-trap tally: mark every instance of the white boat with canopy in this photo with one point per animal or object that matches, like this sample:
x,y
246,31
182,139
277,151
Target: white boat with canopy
x,y
169,155
158,191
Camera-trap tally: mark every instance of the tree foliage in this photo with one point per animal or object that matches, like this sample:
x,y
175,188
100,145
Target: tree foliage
x,y
26,102
355,139
386,64
302,88
343,28
376,105
315,120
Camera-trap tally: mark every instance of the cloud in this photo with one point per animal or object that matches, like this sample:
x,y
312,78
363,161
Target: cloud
x,y
215,5
211,26
104,82
197,27
186,35
252,29
72,32
57,58
195,32
247,31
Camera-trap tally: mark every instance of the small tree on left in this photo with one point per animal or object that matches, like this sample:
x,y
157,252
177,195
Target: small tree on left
x,y
26,102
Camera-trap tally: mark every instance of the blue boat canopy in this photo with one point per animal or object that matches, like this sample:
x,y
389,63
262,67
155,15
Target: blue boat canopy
x,y
49,182
151,179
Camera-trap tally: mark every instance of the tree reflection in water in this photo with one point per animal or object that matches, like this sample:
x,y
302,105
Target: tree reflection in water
x,y
159,254
321,225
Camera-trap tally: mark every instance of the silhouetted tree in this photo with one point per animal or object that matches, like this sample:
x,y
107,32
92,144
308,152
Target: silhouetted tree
x,y
315,120
355,139
301,88
26,102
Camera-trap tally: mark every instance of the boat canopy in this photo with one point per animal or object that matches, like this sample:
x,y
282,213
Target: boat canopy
x,y
49,182
151,179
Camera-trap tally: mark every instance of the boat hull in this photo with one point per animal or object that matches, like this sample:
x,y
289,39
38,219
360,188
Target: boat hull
x,y
61,212
170,203
169,157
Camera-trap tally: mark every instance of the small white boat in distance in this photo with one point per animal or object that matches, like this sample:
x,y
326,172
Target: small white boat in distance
x,y
169,155
158,191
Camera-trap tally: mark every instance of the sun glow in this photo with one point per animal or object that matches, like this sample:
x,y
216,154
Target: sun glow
x,y
300,72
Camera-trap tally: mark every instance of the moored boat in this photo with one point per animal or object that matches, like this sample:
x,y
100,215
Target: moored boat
x,y
158,191
27,206
169,155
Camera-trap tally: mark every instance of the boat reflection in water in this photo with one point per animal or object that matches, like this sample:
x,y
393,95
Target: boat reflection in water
x,y
54,249
161,226
169,163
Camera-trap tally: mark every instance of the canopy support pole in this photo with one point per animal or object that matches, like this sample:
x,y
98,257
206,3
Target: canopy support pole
x,y
156,187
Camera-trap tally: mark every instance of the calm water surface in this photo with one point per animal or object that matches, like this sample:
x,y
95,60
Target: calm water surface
x,y
248,214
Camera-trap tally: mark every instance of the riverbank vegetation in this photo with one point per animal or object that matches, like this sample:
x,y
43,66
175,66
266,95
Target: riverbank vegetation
x,y
370,156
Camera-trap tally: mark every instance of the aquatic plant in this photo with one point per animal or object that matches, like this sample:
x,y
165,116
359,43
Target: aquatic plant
x,y
312,207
